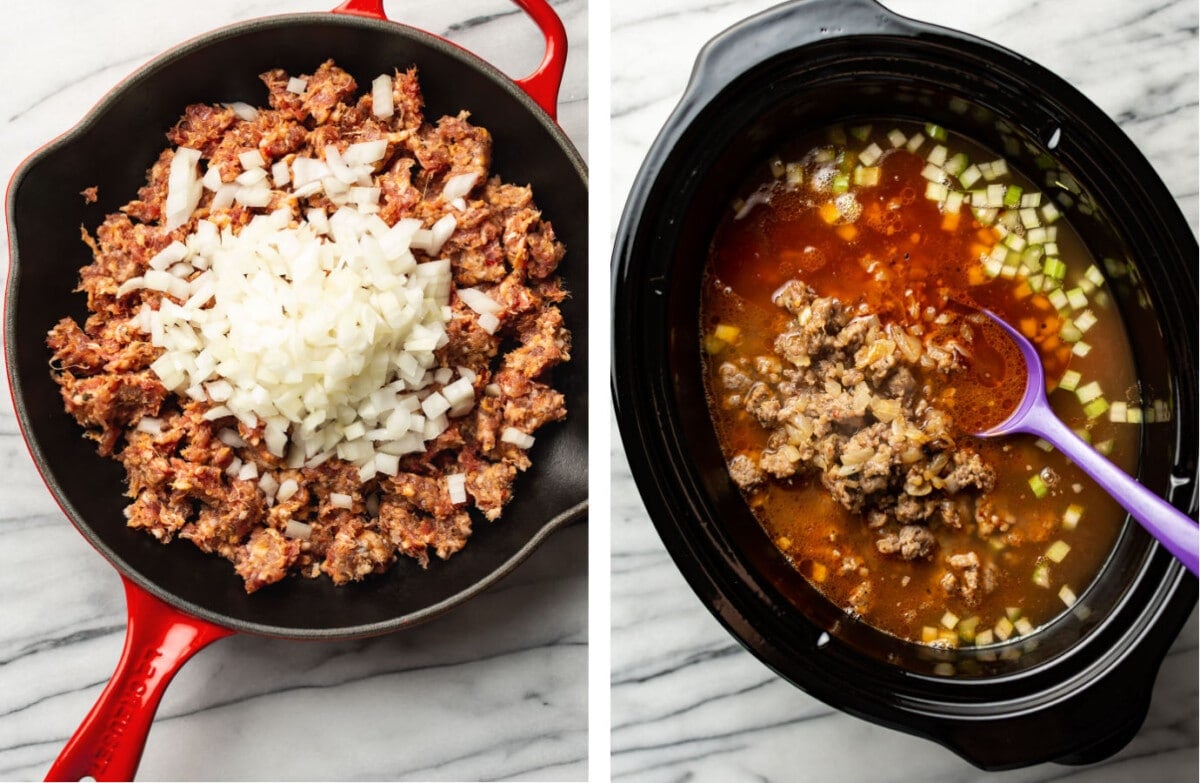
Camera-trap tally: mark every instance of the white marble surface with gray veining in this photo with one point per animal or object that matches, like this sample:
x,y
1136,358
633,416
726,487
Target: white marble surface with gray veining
x,y
688,703
495,690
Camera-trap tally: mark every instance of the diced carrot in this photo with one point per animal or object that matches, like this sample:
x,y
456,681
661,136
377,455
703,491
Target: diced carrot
x,y
829,212
847,232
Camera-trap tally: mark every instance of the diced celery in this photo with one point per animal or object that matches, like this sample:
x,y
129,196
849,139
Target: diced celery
x,y
1067,595
1081,349
1085,320
871,155
936,191
1012,196
1023,626
1051,248
929,634
950,619
995,196
1038,485
712,345
1031,199
1031,257
1095,408
896,137
966,629
1058,551
1076,298
1050,212
969,176
1089,392
1134,414
935,131
956,164
1041,575
794,173
954,201
1015,242
1083,434
933,173
1036,236
937,155
1003,629
999,168
1070,380
1053,267
861,132
1094,275
914,142
993,267
841,183
1072,516
1105,447
866,176
1116,412
1012,612
1044,444
984,637
984,216
1069,332
1029,218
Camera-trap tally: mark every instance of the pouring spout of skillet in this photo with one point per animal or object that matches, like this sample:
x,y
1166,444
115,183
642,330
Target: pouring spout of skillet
x,y
1033,415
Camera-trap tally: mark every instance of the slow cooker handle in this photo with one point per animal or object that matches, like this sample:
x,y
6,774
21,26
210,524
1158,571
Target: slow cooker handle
x,y
543,84
781,29
158,640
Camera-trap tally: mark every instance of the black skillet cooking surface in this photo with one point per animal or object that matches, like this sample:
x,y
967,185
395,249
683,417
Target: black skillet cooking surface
x,y
113,147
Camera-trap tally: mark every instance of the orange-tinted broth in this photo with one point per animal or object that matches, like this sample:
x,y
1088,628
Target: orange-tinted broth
x,y
901,256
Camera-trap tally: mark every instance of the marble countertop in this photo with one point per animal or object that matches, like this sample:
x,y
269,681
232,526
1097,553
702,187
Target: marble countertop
x,y
688,703
496,689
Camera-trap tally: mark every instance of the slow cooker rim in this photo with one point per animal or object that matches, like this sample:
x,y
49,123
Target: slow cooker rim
x,y
628,301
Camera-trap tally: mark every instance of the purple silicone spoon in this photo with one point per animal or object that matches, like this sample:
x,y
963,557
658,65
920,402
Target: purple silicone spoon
x,y
1174,529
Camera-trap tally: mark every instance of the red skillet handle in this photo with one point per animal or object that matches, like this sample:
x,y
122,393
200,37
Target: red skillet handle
x,y
108,744
542,85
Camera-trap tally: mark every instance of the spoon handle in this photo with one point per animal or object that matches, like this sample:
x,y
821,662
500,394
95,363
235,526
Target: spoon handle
x,y
1177,532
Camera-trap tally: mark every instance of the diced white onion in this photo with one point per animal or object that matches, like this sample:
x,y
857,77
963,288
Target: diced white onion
x,y
456,486
244,111
381,96
298,530
150,424
251,159
517,438
459,186
340,500
183,188
269,485
287,490
479,301
442,230
248,471
297,85
364,153
489,323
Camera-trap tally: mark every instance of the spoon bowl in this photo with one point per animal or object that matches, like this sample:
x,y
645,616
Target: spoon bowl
x,y
1034,416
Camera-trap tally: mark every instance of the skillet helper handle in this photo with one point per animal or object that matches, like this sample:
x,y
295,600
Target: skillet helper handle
x,y
543,84
159,639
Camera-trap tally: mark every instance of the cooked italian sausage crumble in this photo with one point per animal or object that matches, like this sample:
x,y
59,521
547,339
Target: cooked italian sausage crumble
x,y
320,336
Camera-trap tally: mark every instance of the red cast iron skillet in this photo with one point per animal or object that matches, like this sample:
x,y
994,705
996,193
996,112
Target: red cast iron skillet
x,y
179,599
1077,689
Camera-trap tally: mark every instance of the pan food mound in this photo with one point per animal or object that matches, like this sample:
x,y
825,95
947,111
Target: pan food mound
x,y
320,336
